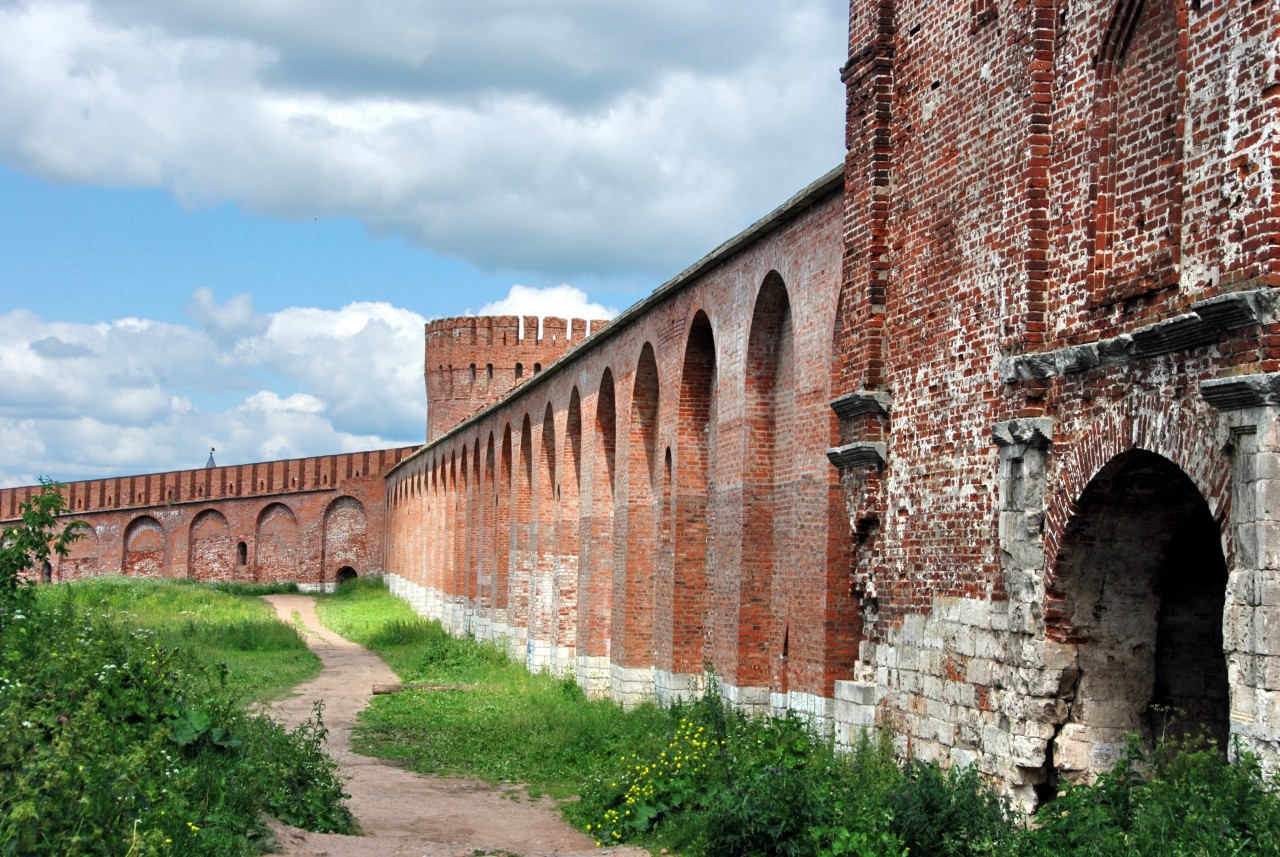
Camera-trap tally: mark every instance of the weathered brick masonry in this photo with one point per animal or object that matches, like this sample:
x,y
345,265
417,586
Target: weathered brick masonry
x,y
977,438
302,520
1058,350
1036,340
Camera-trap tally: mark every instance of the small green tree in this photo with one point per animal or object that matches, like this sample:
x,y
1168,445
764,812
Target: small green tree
x,y
29,543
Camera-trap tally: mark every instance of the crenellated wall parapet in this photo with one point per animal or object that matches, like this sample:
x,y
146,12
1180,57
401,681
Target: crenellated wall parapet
x,y
308,521
260,479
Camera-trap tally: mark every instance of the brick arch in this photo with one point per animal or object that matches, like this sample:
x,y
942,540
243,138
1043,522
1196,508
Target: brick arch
x,y
346,534
1138,596
145,547
82,557
503,544
696,422
435,512
1185,432
546,589
475,531
598,594
569,536
526,550
770,451
488,526
1139,113
210,553
461,481
635,597
278,555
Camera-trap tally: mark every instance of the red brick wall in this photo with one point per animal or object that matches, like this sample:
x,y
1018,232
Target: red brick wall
x,y
298,520
623,524
1040,199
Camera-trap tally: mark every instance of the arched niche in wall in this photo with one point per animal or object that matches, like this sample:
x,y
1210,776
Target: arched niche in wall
x,y
770,449
1138,591
82,559
1140,117
145,546
210,552
346,537
488,526
503,537
636,597
693,493
598,594
278,555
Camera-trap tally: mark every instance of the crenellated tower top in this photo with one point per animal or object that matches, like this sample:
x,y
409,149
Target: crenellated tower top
x,y
473,361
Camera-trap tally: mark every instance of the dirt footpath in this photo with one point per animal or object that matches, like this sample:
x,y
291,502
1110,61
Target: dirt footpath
x,y
403,813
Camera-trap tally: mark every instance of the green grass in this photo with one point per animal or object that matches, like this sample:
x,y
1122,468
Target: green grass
x,y
509,726
703,779
121,732
265,658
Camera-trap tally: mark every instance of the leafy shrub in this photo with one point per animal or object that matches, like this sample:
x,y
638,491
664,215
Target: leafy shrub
x,y
650,790
952,812
1181,797
114,743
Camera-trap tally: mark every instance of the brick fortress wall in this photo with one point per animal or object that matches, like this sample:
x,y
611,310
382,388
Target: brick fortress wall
x,y
299,520
658,499
1057,361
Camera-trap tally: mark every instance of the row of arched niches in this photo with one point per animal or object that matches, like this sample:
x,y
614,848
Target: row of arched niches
x,y
275,543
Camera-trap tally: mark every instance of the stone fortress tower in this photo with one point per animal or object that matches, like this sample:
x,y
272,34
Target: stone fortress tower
x,y
473,361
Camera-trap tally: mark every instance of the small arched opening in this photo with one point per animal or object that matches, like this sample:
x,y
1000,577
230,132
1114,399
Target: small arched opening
x,y
346,574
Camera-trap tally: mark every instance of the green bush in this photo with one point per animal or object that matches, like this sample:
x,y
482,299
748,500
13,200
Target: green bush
x,y
1180,797
951,813
115,743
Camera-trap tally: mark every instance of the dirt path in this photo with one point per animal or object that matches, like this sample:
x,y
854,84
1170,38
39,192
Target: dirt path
x,y
403,813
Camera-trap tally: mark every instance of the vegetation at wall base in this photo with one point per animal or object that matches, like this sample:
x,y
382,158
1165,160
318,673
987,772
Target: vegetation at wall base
x,y
503,724
702,779
114,740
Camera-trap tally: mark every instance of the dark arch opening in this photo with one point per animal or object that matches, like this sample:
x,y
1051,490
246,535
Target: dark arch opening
x,y
1139,591
346,574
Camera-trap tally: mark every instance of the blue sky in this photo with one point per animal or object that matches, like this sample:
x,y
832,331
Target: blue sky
x,y
224,224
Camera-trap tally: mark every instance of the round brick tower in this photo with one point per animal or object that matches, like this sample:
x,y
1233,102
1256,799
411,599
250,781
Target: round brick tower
x,y
473,361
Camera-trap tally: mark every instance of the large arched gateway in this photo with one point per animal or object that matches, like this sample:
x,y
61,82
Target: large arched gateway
x,y
1139,593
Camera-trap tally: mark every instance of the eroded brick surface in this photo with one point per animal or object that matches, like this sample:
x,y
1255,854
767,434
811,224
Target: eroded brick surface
x,y
977,439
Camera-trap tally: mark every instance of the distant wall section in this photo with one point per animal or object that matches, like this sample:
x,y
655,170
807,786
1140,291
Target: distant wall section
x,y
301,520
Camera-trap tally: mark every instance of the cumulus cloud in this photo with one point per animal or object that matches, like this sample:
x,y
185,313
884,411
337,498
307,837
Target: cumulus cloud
x,y
136,396
129,396
562,138
562,301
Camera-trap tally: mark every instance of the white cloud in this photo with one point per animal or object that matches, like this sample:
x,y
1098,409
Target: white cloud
x,y
137,396
560,138
562,301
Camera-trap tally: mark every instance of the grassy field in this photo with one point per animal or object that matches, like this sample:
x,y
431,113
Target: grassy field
x,y
505,725
264,658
